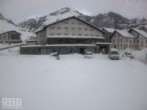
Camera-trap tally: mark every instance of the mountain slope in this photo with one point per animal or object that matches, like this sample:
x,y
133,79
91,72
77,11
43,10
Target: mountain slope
x,y
101,20
38,22
6,19
111,20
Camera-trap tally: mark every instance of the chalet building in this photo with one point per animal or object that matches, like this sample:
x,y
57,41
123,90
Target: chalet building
x,y
71,30
70,35
122,39
108,33
140,38
10,37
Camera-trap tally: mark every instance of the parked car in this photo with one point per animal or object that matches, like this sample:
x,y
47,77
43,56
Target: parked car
x,y
114,54
129,55
88,54
56,55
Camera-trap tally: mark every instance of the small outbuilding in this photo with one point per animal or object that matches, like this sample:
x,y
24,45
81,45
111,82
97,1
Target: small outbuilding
x,y
10,37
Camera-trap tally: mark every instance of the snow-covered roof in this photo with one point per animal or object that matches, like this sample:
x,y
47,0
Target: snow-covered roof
x,y
110,30
5,27
51,21
140,32
125,33
60,45
81,37
57,18
40,29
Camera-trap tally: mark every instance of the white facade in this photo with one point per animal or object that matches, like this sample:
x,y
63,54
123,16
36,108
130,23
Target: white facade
x,y
72,27
69,28
121,42
140,38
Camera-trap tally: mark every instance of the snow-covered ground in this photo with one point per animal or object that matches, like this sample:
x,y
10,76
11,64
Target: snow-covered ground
x,y
73,82
140,55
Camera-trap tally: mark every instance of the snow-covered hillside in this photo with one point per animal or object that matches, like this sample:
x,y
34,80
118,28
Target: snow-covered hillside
x,y
6,26
39,22
73,82
110,19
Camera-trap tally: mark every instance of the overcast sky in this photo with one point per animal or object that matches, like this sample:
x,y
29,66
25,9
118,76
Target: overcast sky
x,y
18,10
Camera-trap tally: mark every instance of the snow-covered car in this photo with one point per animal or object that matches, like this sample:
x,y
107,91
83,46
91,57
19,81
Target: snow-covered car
x,y
129,55
55,54
88,54
114,54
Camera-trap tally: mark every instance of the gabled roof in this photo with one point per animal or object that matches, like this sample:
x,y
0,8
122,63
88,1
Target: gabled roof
x,y
123,33
10,31
67,19
144,34
110,30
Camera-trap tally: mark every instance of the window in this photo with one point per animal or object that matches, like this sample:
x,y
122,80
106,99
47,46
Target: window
x,y
59,28
73,28
52,34
91,35
52,28
66,34
66,22
134,41
73,34
86,34
79,23
126,40
66,28
79,28
91,29
86,29
73,22
58,33
80,34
